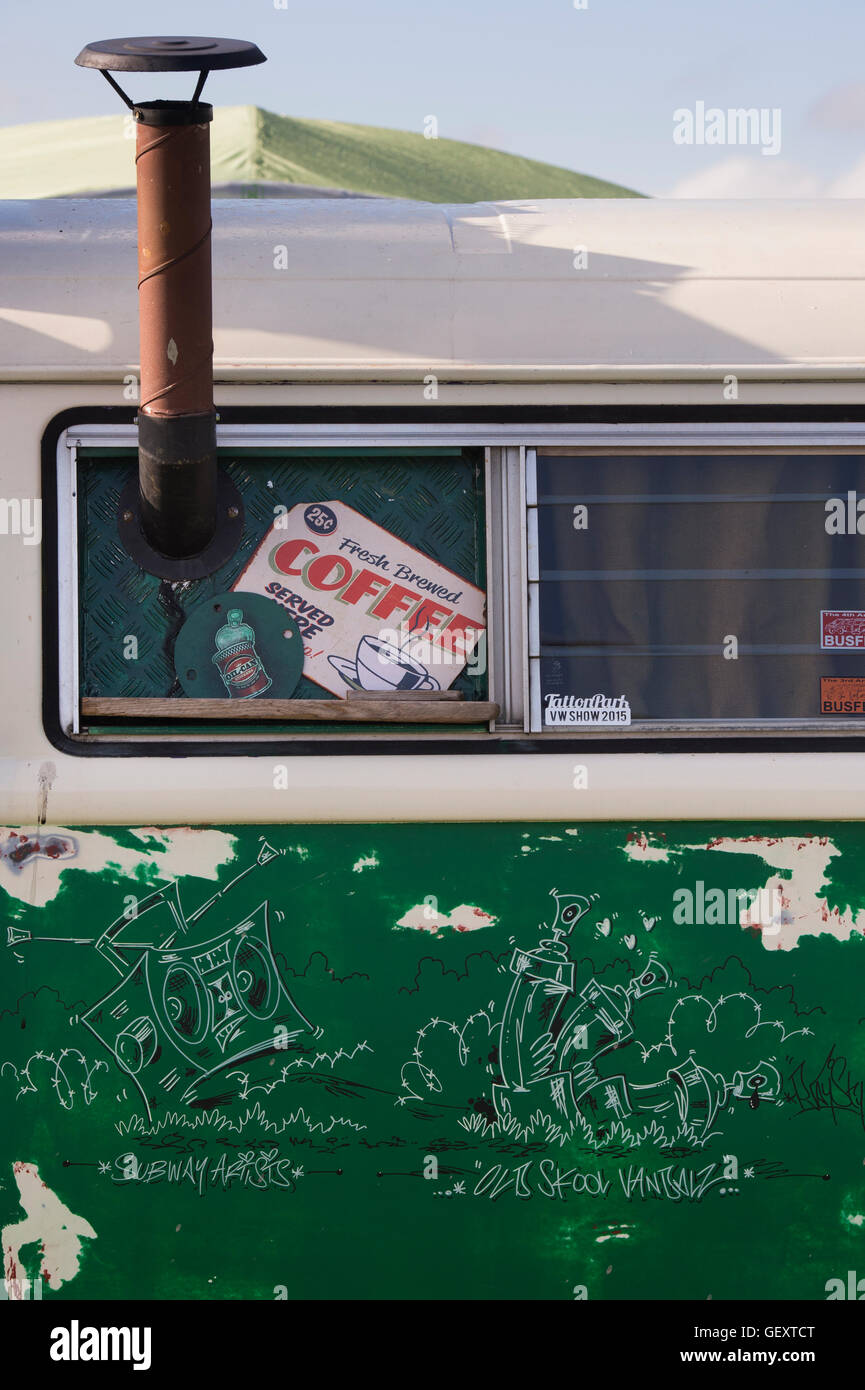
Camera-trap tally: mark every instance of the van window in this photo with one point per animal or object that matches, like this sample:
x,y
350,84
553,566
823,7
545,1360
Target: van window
x,y
356,592
698,588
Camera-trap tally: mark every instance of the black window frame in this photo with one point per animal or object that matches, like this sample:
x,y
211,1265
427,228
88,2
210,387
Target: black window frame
x,y
521,424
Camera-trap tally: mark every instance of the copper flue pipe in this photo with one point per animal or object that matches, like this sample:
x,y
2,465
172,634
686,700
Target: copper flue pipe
x,y
176,418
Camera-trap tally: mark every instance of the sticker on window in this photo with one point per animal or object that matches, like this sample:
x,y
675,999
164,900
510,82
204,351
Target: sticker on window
x,y
842,695
841,629
590,709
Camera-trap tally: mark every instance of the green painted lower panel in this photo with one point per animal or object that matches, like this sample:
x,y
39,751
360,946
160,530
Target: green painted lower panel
x,y
463,1061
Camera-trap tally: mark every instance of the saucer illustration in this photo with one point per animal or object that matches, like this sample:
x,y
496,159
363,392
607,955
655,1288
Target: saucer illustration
x,y
347,669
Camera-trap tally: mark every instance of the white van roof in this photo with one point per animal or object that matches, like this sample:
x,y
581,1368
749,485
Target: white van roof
x,y
377,289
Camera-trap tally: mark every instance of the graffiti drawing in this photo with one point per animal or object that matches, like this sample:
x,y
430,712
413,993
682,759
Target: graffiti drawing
x,y
319,1027
183,1013
553,1036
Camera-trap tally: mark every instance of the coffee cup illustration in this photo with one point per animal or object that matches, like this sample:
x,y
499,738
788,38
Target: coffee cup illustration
x,y
380,665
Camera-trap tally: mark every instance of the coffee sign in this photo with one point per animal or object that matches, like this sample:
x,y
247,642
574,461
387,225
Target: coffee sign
x,y
374,613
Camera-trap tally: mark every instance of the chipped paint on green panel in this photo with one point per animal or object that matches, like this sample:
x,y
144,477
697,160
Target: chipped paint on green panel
x,y
459,1061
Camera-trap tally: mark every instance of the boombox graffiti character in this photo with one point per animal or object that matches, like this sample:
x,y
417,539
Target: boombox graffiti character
x,y
189,1004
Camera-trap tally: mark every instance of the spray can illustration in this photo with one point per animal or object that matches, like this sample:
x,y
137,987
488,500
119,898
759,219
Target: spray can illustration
x,y
237,660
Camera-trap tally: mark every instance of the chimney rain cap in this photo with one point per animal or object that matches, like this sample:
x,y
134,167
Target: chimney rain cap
x,y
194,54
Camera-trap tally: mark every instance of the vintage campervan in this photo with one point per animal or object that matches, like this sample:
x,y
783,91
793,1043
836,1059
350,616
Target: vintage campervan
x,y
342,840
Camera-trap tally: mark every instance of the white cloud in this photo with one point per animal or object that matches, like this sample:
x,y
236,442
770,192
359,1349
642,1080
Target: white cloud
x,y
842,108
741,177
849,185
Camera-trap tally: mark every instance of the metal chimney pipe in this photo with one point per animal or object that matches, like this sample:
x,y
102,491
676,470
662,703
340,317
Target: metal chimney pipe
x,y
177,473
176,416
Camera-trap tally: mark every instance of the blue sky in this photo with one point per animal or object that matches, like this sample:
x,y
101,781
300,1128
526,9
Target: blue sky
x,y
593,88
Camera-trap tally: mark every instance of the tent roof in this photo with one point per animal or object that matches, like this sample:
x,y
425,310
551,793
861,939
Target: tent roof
x,y
94,156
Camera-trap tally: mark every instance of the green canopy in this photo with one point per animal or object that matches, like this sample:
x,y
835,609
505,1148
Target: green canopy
x,y
256,153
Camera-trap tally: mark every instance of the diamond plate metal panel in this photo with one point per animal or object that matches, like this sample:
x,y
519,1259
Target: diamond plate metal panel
x,y
434,502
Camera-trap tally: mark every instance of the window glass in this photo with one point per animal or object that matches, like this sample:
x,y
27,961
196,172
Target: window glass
x,y
372,561
700,587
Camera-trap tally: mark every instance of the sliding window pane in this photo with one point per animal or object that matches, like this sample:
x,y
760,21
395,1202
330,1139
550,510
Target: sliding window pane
x,y
703,587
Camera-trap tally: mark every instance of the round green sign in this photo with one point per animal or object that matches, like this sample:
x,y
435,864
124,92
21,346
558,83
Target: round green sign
x,y
238,646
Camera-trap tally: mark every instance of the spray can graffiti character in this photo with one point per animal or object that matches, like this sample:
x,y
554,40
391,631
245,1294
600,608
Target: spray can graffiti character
x,y
553,1034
